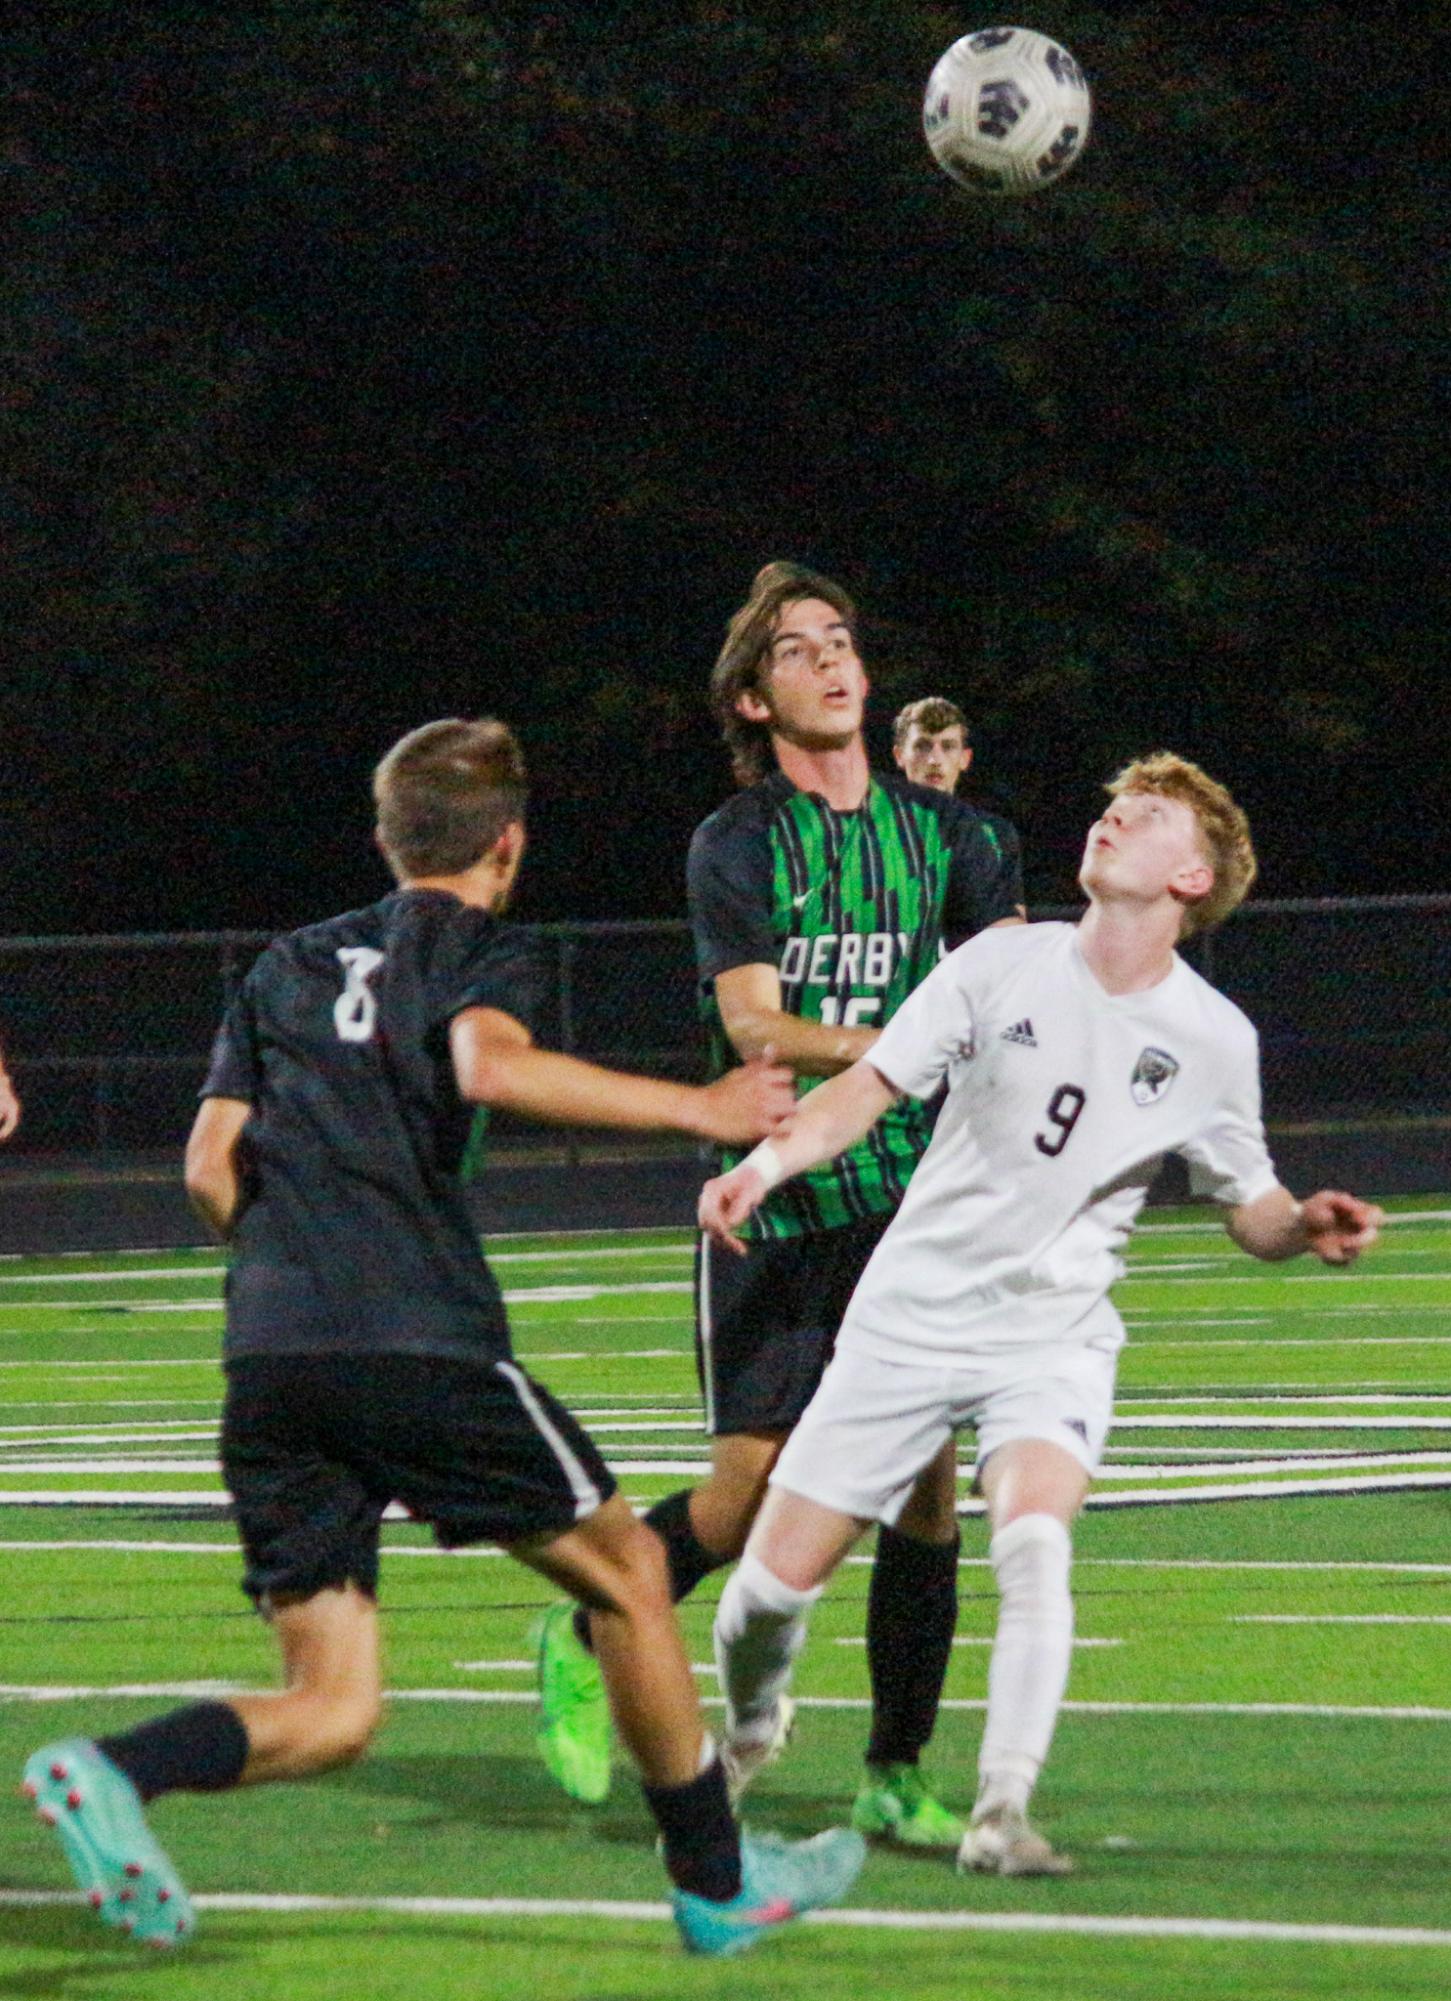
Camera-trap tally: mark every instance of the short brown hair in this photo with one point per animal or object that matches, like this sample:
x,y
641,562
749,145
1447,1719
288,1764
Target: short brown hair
x,y
1223,831
743,657
445,793
932,715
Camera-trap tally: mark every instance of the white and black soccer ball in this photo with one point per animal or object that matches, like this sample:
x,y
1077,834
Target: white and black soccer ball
x,y
1006,111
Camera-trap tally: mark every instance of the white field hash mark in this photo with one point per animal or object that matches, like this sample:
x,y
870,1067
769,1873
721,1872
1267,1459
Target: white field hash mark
x,y
160,1691
1227,1930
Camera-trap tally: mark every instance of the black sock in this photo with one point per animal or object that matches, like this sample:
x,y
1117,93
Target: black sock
x,y
911,1618
702,1841
200,1749
687,1557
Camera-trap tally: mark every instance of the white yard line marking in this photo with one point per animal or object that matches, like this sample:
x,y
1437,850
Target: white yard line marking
x,y
174,1430
1226,1469
1349,1481
45,1366
116,1497
1127,1421
1252,1490
233,1549
110,1465
1339,1619
1138,1274
138,1547
1349,1465
1219,1320
1226,1930
1417,1399
1215,1228
139,1307
155,1691
534,1295
147,1273
681,1354
558,1295
93,1404
961,1640
108,1277
1277,1342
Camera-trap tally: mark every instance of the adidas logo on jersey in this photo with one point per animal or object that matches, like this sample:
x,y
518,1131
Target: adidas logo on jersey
x,y
1021,1031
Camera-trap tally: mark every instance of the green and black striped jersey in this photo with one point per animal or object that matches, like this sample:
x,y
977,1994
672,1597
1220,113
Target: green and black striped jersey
x,y
854,910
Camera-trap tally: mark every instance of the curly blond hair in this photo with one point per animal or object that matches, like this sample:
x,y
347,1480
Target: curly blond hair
x,y
1224,835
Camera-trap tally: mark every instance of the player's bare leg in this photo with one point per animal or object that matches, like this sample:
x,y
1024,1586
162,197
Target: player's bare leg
x,y
614,1566
1034,1490
726,1503
94,1792
331,1700
701,1529
729,1888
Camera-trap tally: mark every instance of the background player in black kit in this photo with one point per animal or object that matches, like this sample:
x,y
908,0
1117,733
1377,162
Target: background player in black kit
x,y
368,1359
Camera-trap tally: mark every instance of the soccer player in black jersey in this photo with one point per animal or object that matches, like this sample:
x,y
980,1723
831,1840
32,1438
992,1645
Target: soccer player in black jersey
x,y
368,1360
820,896
929,743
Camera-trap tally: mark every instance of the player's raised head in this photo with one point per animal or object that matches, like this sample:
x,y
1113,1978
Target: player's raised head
x,y
446,793
1224,836
745,659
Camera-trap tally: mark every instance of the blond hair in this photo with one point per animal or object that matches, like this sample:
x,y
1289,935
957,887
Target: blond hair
x,y
1224,836
742,662
445,793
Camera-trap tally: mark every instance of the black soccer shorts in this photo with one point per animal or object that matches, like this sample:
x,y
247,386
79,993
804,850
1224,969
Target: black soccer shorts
x,y
315,1447
766,1323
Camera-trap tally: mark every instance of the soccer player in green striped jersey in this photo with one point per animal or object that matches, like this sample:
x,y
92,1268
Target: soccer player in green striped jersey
x,y
820,896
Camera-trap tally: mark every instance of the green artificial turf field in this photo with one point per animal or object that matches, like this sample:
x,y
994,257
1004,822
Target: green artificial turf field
x,y
1250,1771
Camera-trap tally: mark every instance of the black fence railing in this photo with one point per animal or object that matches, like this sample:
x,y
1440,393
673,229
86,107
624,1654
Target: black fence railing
x,y
108,1036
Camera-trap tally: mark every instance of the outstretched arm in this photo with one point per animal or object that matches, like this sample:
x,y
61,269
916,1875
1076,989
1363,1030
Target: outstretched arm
x,y
1335,1226
834,1117
495,1064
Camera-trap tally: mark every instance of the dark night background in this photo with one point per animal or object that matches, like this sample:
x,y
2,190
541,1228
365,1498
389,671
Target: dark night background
x,y
366,362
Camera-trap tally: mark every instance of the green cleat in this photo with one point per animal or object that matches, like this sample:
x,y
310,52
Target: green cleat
x,y
573,1737
96,1815
894,1805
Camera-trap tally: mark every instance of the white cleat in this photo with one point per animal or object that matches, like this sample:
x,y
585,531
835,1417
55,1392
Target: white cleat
x,y
1003,1842
745,1758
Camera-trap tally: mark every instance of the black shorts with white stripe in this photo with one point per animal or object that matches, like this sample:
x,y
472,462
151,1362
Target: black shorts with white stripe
x,y
314,1447
766,1323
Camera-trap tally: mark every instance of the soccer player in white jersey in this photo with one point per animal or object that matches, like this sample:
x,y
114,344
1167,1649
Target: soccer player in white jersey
x,y
1076,1057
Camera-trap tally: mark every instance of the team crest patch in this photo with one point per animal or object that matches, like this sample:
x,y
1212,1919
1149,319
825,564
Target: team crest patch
x,y
1154,1072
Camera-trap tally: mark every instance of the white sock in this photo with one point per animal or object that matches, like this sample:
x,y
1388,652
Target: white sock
x,y
1030,1659
760,1628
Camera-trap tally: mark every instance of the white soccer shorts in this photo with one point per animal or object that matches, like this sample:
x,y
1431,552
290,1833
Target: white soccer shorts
x,y
873,1425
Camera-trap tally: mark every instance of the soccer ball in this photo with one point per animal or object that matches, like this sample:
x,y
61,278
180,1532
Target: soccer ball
x,y
1006,111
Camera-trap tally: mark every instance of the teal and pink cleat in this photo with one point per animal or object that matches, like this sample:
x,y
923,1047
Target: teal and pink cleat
x,y
97,1817
780,1880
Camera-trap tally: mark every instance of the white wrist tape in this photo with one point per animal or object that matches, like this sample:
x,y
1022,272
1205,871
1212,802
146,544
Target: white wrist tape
x,y
767,1163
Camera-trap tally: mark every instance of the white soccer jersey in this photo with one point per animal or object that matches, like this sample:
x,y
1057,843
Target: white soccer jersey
x,y
1062,1102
